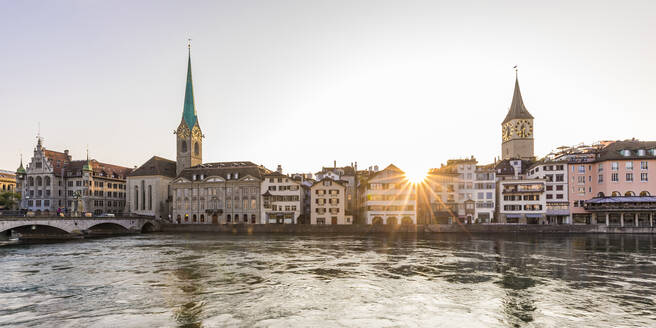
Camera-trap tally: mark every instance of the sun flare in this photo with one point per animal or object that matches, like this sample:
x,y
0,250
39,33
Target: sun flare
x,y
416,176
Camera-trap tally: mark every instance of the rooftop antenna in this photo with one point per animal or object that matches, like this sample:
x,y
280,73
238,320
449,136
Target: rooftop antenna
x,y
516,69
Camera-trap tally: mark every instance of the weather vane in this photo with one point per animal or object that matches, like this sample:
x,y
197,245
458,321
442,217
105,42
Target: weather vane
x,y
516,69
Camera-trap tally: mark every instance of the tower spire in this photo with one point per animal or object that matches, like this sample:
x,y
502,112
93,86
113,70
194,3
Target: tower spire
x,y
517,109
189,109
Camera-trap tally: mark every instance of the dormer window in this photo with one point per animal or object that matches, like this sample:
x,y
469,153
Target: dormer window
x,y
625,152
236,175
229,175
642,152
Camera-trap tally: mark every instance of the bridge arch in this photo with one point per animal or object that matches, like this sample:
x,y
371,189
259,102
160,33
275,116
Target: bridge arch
x,y
28,227
109,226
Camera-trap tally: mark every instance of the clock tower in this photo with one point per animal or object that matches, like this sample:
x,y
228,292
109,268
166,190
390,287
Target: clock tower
x,y
189,137
517,130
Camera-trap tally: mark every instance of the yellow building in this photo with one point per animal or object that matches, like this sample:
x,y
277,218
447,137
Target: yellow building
x,y
7,181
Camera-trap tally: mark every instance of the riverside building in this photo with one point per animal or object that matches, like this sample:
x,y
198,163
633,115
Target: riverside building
x,y
328,202
282,198
390,198
53,182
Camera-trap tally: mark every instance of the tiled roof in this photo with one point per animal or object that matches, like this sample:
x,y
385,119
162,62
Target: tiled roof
x,y
99,169
155,166
57,159
622,199
222,169
613,150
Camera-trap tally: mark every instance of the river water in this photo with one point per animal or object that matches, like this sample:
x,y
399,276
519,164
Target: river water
x,y
449,280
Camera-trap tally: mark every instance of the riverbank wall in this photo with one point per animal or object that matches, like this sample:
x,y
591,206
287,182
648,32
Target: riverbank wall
x,y
414,229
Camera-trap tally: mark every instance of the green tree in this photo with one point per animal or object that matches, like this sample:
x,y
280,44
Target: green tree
x,y
9,200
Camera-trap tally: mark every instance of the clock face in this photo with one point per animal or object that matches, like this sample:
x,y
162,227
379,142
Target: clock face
x,y
506,132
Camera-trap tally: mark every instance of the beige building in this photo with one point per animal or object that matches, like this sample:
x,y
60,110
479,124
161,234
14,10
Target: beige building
x,y
218,193
148,188
282,199
390,198
7,181
328,202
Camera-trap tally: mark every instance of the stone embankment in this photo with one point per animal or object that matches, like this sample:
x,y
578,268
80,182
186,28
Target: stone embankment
x,y
421,229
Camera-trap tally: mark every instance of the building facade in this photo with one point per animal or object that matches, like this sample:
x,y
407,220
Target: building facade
x,y
148,188
54,183
282,199
218,193
556,194
484,190
328,202
390,198
7,181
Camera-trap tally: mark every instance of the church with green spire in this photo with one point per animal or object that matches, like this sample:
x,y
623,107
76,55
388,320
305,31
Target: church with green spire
x,y
189,137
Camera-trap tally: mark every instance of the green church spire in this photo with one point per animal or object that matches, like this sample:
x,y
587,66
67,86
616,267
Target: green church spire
x,y
189,111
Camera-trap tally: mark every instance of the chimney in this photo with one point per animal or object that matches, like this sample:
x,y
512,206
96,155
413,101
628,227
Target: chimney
x,y
334,164
279,169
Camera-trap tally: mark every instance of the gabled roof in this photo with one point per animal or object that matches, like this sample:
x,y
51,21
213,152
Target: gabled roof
x,y
58,160
613,150
339,182
99,169
155,166
517,109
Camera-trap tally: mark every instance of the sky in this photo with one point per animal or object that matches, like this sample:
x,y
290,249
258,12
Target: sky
x,y
303,83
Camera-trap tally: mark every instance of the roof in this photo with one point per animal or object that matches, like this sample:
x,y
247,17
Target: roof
x,y
222,169
348,170
339,182
622,199
155,166
99,169
517,109
189,109
390,167
58,160
504,167
613,150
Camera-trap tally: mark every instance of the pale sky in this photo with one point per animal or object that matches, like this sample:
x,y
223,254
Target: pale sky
x,y
303,83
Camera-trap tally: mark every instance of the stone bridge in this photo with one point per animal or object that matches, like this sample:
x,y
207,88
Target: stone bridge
x,y
82,225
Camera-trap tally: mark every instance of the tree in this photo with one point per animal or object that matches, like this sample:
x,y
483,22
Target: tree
x,y
9,200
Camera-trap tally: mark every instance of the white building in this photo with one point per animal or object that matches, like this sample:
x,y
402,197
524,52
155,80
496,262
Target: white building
x,y
149,188
555,175
328,203
522,201
390,198
282,199
484,191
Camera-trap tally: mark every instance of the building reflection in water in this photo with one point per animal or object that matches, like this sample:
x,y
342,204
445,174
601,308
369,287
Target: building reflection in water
x,y
188,314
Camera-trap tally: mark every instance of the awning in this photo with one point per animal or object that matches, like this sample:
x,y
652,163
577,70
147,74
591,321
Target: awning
x,y
513,216
534,216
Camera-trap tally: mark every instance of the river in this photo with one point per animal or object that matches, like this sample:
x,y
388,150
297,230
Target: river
x,y
217,280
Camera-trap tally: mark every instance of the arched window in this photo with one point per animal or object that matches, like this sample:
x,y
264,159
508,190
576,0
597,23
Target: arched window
x,y
615,194
253,219
47,180
193,219
600,194
228,219
136,197
629,194
202,218
143,195
644,193
183,146
179,218
39,182
391,221
150,197
196,148
186,217
236,218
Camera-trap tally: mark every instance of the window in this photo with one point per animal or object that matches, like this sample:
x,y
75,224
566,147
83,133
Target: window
x,y
581,168
614,177
614,166
488,195
183,147
196,149
629,166
600,179
150,197
643,177
581,179
643,165
600,168
629,177
559,196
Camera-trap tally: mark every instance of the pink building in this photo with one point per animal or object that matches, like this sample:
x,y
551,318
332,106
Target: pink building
x,y
615,187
